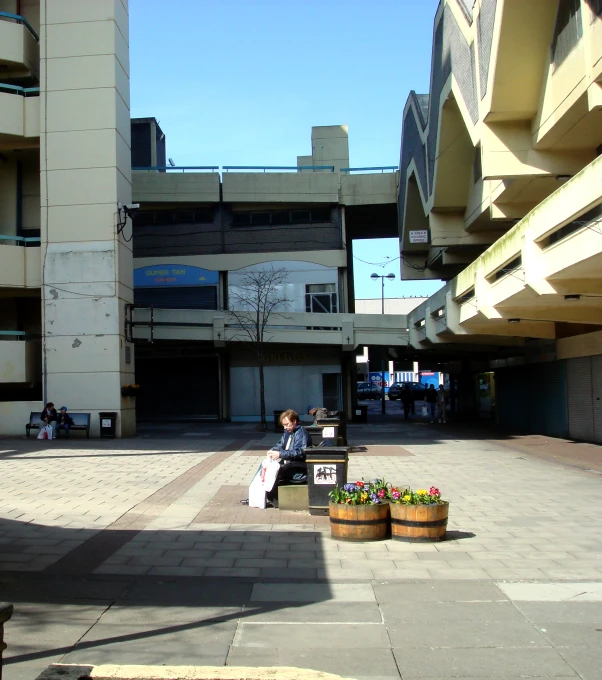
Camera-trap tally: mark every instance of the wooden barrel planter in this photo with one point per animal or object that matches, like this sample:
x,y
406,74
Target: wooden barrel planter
x,y
359,522
419,522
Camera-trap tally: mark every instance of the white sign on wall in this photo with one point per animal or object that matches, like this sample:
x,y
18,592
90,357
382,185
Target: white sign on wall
x,y
419,236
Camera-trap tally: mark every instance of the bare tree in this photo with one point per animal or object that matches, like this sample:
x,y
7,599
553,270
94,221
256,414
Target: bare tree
x,y
258,294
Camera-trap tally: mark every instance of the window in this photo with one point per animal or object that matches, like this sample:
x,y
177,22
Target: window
x,y
321,298
568,30
515,264
243,218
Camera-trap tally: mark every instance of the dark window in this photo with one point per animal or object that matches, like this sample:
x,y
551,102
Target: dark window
x,y
592,216
467,296
192,297
241,219
260,218
568,30
300,216
280,217
162,218
515,264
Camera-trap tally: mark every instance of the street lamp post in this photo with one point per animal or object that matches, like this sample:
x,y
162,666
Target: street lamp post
x,y
382,277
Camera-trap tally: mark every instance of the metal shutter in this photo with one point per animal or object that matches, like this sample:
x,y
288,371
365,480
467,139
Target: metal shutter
x,y
597,397
548,398
513,399
579,380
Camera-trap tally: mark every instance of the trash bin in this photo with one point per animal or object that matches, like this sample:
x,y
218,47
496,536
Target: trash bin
x,y
277,426
326,468
361,413
340,433
108,423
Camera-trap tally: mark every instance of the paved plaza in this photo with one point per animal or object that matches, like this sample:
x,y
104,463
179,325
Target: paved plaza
x,y
139,552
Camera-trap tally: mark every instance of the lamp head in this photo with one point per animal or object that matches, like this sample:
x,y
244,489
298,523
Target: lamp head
x,y
374,276
391,276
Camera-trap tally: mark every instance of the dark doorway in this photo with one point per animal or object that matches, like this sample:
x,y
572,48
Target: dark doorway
x,y
178,388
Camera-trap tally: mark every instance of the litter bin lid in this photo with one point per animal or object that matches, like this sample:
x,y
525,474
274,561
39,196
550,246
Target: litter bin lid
x,y
108,414
333,453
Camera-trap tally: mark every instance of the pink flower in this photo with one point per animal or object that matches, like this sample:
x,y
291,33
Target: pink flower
x,y
380,493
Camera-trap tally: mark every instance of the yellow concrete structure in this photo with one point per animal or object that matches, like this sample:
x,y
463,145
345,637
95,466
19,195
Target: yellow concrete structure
x,y
501,192
66,271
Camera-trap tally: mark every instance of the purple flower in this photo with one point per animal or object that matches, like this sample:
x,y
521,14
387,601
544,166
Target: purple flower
x,y
374,498
350,488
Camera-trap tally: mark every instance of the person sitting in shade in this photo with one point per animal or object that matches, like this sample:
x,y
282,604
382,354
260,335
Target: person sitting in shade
x,y
50,417
64,422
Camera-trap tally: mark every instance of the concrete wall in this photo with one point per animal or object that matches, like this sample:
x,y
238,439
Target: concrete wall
x,y
85,172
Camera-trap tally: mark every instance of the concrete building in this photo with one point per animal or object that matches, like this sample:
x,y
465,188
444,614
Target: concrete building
x,y
198,235
72,262
65,271
500,195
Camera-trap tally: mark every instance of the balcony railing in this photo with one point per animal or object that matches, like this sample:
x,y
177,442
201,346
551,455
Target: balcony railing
x,y
376,168
176,168
229,168
25,241
7,16
23,91
13,335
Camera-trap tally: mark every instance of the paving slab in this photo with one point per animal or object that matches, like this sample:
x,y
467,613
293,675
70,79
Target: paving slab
x,y
312,612
312,636
316,592
426,664
554,592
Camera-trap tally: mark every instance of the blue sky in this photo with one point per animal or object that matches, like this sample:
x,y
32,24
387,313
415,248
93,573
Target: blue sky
x,y
241,82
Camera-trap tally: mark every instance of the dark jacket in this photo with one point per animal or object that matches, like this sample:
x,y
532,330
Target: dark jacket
x,y
65,419
406,396
50,414
431,396
296,451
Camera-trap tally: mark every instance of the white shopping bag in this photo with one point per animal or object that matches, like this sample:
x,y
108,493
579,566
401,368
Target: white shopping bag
x,y
45,432
256,492
269,472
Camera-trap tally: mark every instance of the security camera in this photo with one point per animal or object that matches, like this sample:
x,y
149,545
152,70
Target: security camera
x,y
131,206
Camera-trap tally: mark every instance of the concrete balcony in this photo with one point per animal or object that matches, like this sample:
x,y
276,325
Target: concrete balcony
x,y
19,114
20,267
343,330
151,186
19,360
19,49
281,187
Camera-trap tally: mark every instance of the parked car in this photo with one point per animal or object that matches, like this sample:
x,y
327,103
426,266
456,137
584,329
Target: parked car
x,y
417,389
368,390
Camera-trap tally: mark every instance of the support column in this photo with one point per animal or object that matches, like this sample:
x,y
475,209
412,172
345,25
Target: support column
x,y
85,172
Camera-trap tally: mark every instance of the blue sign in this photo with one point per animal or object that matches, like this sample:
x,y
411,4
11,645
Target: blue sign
x,y
174,275
377,378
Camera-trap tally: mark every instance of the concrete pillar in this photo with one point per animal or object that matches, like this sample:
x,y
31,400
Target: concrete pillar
x,y
85,172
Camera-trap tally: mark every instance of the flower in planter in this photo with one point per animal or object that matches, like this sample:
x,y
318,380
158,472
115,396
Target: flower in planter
x,y
361,493
419,497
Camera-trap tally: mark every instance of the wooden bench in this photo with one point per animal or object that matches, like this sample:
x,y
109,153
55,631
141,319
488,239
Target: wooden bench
x,y
81,421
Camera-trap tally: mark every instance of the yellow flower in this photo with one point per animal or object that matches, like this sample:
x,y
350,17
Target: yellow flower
x,y
422,492
364,496
407,498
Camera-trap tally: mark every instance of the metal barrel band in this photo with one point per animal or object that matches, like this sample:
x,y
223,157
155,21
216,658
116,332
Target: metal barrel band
x,y
358,522
411,523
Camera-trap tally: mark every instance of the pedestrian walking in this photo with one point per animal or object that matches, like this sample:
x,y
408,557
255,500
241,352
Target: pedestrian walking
x,y
431,401
441,404
407,401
